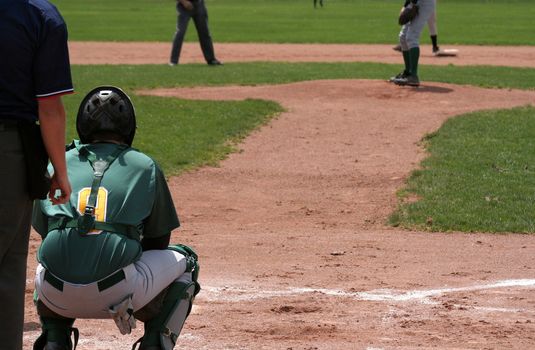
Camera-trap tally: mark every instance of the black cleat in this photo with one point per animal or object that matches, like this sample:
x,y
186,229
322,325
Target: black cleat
x,y
215,62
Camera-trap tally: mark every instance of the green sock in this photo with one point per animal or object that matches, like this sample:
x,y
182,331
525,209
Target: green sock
x,y
406,60
414,55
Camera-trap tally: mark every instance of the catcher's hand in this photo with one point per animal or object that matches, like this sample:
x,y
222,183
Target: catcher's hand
x,y
123,315
408,13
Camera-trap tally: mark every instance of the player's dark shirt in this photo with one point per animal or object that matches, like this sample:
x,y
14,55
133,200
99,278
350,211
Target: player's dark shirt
x,y
34,57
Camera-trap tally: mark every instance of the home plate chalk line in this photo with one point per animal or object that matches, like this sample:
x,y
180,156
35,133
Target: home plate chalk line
x,y
236,294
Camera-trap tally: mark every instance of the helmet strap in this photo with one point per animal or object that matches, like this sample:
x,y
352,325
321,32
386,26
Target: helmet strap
x,y
86,222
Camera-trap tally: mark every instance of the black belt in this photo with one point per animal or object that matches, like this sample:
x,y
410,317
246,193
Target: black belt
x,y
102,284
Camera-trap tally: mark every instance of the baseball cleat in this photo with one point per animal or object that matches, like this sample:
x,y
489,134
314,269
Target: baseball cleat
x,y
410,80
215,62
401,75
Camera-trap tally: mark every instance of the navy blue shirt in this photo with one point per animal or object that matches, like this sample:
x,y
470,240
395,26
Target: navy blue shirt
x,y
34,57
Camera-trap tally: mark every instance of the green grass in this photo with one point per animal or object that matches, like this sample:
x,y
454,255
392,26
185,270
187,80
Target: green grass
x,y
480,176
179,134
252,73
183,134
476,22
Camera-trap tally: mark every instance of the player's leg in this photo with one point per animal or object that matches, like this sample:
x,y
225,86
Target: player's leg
x,y
405,48
433,32
414,30
154,271
405,51
15,216
205,39
162,330
166,314
56,330
178,39
141,281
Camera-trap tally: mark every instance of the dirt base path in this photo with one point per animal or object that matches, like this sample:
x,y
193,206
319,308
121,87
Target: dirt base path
x,y
292,241
158,53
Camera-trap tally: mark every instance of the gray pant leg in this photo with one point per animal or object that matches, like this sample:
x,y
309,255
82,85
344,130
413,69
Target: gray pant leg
x,y
415,27
403,38
15,216
201,24
432,23
181,27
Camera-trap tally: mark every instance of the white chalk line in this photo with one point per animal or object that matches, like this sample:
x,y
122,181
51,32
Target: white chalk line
x,y
237,294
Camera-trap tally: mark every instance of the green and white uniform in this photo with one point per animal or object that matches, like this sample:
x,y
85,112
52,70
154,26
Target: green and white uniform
x,y
409,36
82,275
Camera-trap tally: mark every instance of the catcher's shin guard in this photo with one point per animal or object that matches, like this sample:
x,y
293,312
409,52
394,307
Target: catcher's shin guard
x,y
56,334
184,292
162,331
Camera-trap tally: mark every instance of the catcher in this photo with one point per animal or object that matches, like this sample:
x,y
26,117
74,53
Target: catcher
x,y
106,253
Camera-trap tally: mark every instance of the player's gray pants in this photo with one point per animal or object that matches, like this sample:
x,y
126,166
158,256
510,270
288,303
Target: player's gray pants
x,y
15,216
200,19
409,36
144,280
432,23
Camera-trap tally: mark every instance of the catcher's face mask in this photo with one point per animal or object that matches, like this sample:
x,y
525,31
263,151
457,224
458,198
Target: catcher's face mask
x,y
106,109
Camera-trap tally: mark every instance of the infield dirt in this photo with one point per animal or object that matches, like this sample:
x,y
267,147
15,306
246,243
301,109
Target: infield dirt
x,y
292,242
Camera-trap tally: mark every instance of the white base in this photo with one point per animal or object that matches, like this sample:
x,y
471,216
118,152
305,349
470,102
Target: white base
x,y
446,52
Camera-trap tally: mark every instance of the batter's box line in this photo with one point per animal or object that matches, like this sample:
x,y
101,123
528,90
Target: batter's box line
x,y
237,294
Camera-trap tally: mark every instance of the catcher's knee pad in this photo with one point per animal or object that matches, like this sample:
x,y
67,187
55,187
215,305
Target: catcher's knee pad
x,y
163,330
192,262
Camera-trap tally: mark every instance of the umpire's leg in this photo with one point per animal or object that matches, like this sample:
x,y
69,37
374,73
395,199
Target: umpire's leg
x,y
181,27
15,216
201,24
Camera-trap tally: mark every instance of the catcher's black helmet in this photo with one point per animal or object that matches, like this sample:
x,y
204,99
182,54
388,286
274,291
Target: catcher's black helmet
x,y
106,109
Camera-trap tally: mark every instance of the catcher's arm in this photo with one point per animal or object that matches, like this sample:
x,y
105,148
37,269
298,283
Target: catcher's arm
x,y
157,243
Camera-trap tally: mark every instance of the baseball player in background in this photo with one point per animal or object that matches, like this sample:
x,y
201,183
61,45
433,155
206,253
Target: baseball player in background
x,y
186,10
409,39
433,32
106,253
316,3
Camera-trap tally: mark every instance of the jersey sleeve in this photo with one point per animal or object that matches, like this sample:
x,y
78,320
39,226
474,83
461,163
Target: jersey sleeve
x,y
163,218
52,71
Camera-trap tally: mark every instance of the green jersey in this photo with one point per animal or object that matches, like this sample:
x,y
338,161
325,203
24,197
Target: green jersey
x,y
133,192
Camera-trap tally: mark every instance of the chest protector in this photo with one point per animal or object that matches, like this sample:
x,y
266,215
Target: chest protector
x,y
87,223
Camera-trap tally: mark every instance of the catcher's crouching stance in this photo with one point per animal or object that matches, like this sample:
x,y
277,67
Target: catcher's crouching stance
x,y
106,253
